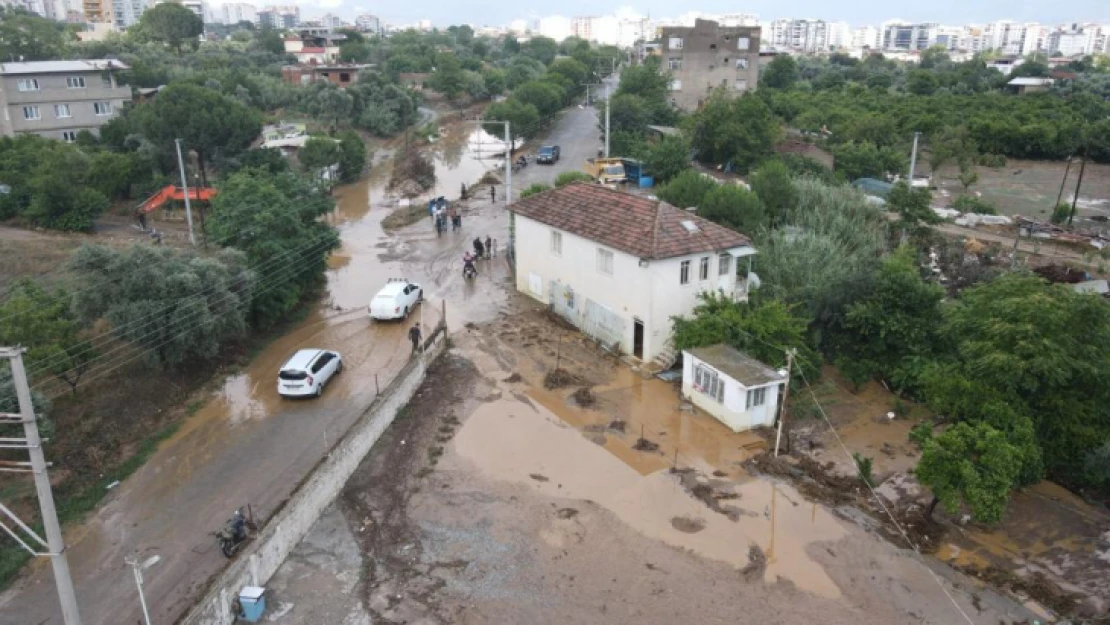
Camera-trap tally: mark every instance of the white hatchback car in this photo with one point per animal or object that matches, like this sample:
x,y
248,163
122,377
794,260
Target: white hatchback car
x,y
307,372
396,300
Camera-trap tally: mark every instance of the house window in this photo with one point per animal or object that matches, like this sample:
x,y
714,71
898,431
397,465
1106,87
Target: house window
x,y
741,63
62,111
102,108
703,269
708,382
684,272
69,136
75,82
724,264
605,261
344,77
724,82
674,64
676,85
674,43
28,84
756,397
556,243
740,85
31,112
743,43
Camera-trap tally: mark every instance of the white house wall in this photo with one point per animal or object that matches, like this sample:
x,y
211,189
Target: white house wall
x,y
651,294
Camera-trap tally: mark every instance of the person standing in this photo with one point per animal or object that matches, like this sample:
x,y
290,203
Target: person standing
x,y
489,247
478,251
492,194
462,196
415,335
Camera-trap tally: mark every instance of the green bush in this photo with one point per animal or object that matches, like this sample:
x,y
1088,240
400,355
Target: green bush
x,y
972,204
1061,213
570,177
533,189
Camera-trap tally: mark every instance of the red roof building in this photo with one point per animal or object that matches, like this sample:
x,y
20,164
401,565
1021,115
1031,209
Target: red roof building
x,y
621,266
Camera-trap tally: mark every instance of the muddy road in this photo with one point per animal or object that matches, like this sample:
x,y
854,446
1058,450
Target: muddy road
x,y
245,445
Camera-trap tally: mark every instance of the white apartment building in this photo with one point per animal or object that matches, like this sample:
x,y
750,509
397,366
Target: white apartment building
x,y
738,19
368,23
556,27
614,30
804,35
866,37
235,12
1072,42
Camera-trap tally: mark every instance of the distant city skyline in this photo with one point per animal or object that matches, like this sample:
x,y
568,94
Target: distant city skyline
x,y
874,12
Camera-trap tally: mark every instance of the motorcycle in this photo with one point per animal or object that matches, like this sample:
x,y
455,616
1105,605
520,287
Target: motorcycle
x,y
520,164
469,271
234,533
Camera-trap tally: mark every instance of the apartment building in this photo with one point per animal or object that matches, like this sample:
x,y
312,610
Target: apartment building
x,y
58,99
708,55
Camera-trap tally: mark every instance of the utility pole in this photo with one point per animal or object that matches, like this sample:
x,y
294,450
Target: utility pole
x,y
185,189
607,125
1078,183
508,166
790,353
37,466
138,570
913,157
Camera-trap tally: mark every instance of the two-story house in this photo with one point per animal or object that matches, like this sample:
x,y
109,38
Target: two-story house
x,y
706,56
58,99
620,266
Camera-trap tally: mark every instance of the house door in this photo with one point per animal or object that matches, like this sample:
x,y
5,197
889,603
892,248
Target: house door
x,y
638,338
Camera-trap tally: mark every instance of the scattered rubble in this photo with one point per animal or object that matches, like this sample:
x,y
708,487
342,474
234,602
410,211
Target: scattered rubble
x,y
643,444
757,563
688,525
584,397
561,378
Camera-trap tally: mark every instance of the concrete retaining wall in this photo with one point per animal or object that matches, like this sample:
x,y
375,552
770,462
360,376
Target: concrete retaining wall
x,y
263,556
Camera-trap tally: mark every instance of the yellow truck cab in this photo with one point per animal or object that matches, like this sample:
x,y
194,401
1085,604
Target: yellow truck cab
x,y
606,170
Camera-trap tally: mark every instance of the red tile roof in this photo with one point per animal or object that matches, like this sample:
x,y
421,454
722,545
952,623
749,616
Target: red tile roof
x,y
645,228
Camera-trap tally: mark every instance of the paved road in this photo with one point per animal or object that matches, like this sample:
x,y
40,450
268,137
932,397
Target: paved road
x,y
246,445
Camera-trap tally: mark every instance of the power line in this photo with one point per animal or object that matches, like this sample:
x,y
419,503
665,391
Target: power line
x,y
879,500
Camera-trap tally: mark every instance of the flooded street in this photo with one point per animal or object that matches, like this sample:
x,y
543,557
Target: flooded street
x,y
246,445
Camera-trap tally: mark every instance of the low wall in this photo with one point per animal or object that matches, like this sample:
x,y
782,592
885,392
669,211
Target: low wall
x,y
262,557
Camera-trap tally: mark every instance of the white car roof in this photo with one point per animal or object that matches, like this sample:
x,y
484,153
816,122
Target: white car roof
x,y
301,360
393,288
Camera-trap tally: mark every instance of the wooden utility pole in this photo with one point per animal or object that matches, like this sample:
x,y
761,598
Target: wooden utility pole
x,y
790,353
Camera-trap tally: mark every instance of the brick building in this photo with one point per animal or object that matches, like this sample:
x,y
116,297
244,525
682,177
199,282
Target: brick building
x,y
705,56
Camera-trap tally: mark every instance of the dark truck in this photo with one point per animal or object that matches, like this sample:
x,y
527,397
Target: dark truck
x,y
548,154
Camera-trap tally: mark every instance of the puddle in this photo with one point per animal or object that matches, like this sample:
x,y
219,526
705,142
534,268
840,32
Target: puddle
x,y
651,409
510,441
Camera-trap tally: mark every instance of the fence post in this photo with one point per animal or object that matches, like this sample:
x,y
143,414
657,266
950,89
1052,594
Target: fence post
x,y
443,316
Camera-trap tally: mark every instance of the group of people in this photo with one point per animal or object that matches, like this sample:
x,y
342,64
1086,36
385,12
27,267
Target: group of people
x,y
486,250
441,211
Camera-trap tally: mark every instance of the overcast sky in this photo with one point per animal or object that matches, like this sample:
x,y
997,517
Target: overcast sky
x,y
856,12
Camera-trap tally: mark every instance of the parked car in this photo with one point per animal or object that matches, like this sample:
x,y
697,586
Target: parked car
x,y
396,300
307,372
548,154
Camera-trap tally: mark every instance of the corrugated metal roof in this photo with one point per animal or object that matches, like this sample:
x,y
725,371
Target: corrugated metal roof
x,y
58,67
737,365
1028,81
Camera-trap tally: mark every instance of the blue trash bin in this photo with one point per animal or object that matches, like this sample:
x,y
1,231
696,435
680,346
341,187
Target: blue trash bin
x,y
252,600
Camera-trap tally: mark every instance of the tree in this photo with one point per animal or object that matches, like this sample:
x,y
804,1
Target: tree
x,y
913,205
967,176
762,329
970,464
866,160
543,49
207,122
934,57
572,70
734,207
546,97
891,331
667,157
534,188
274,220
774,186
352,156
627,113
59,196
9,403
448,77
494,80
781,73
1013,356
687,189
318,154
172,24
330,102
571,177
179,307
524,119
921,82
43,322
741,131
29,37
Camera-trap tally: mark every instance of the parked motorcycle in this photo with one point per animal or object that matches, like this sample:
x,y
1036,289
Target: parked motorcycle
x,y
234,533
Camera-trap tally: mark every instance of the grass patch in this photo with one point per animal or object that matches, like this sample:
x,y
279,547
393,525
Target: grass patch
x,y
75,502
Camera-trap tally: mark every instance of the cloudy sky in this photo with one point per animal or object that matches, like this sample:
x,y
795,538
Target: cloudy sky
x,y
861,12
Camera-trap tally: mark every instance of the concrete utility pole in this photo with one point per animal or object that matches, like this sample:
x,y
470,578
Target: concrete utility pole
x,y
913,156
185,189
790,353
33,444
1078,183
606,126
508,166
138,570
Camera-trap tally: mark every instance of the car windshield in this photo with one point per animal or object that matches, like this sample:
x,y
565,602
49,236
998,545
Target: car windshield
x,y
292,375
547,150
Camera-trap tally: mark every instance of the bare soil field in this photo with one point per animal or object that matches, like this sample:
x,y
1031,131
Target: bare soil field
x,y
1030,188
